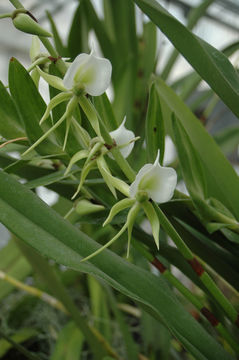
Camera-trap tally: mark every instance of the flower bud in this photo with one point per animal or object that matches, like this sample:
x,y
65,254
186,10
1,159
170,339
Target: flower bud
x,y
85,207
124,139
23,21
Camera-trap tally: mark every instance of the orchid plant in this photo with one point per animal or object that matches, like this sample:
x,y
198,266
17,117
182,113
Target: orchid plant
x,y
99,144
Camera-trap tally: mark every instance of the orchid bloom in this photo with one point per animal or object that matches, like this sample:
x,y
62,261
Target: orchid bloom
x,y
124,139
156,181
89,72
153,181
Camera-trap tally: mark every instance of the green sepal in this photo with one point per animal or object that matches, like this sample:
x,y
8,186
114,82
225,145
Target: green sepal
x,y
105,172
153,219
77,157
130,222
119,206
59,98
90,113
98,251
69,109
115,182
52,80
85,171
93,151
35,77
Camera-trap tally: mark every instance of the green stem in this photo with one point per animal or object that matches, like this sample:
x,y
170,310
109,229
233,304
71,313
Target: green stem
x,y
92,115
227,336
186,252
16,4
61,66
218,295
19,347
204,277
7,15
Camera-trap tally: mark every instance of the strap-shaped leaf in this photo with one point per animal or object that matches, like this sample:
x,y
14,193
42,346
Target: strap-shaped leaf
x,y
154,127
10,122
41,227
190,162
212,65
30,105
222,181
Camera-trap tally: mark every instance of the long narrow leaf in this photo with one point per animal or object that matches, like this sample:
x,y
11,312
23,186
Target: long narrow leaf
x,y
38,225
212,65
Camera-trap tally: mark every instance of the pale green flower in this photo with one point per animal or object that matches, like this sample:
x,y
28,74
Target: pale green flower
x,y
90,73
124,139
156,181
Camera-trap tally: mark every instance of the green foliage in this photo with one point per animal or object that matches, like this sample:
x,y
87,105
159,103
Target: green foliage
x,y
110,307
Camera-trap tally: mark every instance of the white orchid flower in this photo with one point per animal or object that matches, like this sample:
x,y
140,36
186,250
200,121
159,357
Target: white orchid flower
x,y
156,181
124,139
89,72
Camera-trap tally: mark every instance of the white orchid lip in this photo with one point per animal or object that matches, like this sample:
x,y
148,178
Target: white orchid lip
x,y
159,182
89,72
123,139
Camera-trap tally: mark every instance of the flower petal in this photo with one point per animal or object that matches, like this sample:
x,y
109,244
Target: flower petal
x,y
159,182
123,136
90,71
79,62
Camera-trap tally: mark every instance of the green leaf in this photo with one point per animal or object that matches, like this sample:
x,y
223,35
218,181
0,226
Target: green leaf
x,y
78,36
99,28
33,221
105,110
10,124
194,15
212,65
154,125
130,346
72,145
61,49
30,105
222,181
153,219
149,46
190,162
100,310
69,344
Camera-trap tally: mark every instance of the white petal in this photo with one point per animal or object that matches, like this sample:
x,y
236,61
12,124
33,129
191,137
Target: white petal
x,y
159,182
123,136
79,62
90,71
101,69
134,186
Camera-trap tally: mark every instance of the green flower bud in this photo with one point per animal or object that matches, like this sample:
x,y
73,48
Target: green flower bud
x,y
85,207
23,21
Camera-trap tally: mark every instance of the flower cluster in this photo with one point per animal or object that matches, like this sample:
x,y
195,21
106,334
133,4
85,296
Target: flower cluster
x,y
90,74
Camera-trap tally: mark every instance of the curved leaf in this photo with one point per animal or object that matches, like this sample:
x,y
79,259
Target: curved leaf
x,y
41,227
212,65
